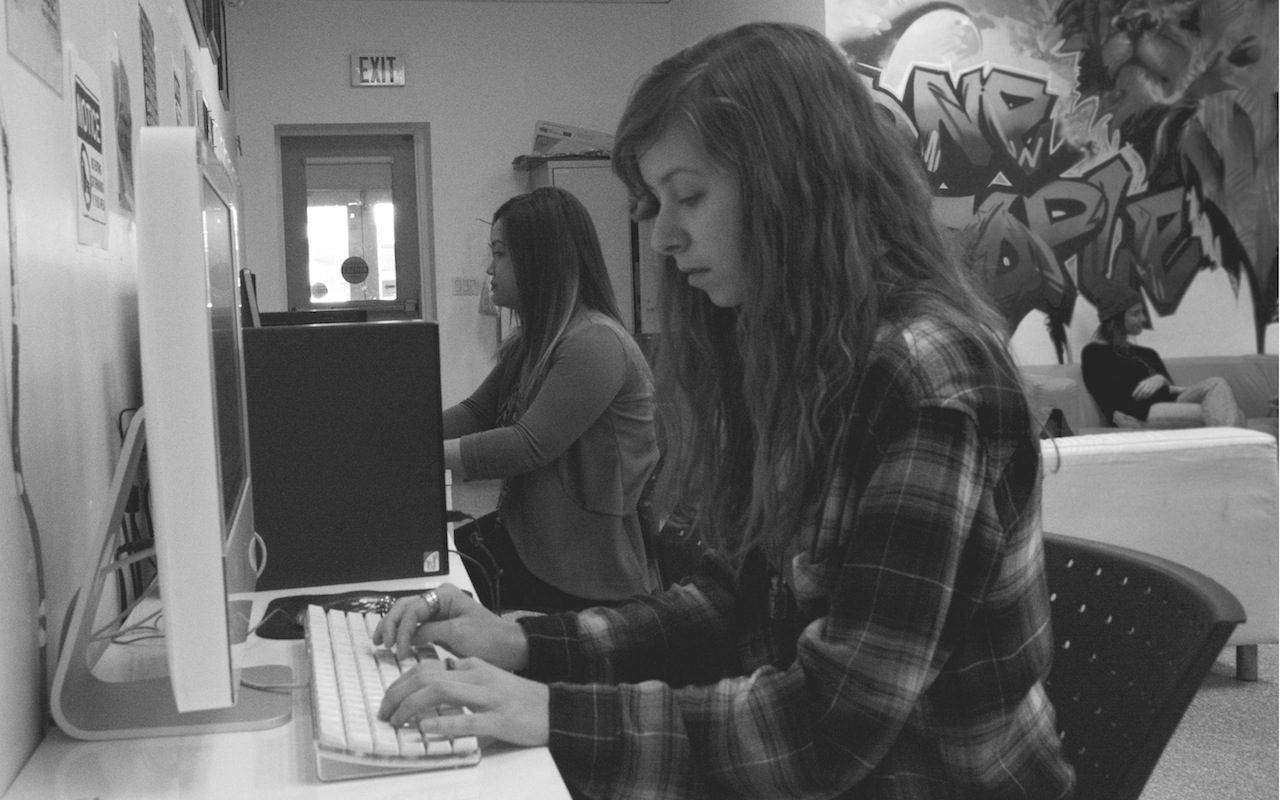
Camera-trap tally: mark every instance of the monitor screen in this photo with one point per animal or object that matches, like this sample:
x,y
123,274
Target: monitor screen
x,y
228,383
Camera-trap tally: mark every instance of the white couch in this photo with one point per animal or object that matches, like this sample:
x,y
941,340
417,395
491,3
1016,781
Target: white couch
x,y
1203,497
1253,380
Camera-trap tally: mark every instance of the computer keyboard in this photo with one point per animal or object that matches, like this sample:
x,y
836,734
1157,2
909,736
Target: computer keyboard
x,y
349,675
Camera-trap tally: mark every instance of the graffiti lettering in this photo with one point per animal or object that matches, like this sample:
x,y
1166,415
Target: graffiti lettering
x,y
1043,226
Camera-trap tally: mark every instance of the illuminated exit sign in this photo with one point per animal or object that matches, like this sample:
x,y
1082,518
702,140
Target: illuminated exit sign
x,y
377,69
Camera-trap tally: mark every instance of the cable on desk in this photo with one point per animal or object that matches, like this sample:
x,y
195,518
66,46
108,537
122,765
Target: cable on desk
x,y
136,531
258,554
143,629
263,621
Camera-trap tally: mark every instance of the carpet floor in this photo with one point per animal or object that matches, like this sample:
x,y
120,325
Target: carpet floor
x,y
1226,745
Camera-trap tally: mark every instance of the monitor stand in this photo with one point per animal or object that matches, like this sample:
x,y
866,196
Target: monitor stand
x,y
86,706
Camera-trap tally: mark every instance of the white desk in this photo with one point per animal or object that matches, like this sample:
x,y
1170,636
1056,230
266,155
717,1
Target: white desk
x,y
276,763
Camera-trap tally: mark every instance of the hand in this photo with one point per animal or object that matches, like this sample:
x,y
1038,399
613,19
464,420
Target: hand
x,y
503,706
460,624
1149,386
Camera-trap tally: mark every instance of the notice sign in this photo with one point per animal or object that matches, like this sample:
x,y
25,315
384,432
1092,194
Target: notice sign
x,y
377,69
91,173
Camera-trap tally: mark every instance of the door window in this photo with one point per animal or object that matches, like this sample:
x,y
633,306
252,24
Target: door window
x,y
352,222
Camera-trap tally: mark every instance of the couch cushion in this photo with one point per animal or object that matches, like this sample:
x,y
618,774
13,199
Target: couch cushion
x,y
1060,386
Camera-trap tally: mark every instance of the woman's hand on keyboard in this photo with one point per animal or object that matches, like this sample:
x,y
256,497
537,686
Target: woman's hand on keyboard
x,y
461,624
503,706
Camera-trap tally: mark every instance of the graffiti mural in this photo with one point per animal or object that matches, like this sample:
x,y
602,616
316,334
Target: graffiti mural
x,y
1072,143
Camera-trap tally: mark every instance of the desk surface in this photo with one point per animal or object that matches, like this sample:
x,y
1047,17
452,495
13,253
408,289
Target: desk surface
x,y
275,763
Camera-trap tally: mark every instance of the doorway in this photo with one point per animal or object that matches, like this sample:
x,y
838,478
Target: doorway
x,y
357,234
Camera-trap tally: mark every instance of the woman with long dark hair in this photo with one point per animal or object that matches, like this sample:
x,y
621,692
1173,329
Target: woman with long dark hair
x,y
565,419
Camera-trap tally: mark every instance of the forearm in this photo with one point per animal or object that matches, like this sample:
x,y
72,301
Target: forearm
x,y
500,453
453,459
461,419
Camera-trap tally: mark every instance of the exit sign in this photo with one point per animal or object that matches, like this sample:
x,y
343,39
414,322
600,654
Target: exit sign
x,y
377,69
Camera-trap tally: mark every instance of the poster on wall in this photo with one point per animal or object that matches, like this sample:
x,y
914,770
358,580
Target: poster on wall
x,y
150,90
189,96
1076,144
179,93
89,155
124,132
35,38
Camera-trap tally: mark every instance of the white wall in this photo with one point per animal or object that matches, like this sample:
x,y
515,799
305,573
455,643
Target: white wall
x,y
481,74
694,19
76,324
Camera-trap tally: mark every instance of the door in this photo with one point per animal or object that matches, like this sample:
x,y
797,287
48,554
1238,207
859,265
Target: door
x,y
606,200
353,227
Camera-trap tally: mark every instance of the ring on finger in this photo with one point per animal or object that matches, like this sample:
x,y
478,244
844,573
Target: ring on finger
x,y
433,602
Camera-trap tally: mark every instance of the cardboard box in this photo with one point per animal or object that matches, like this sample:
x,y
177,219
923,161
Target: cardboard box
x,y
553,138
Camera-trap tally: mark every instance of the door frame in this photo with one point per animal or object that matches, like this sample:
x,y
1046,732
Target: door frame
x,y
421,134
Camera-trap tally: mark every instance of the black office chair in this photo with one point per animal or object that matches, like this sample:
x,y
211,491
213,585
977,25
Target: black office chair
x,y
1134,635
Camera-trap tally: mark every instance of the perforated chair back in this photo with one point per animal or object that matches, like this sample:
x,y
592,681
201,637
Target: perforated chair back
x,y
1134,635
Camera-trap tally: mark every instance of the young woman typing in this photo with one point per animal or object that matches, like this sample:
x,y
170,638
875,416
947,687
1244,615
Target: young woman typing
x,y
873,621
566,419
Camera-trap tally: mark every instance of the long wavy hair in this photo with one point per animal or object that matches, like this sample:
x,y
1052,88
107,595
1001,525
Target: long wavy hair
x,y
839,242
560,271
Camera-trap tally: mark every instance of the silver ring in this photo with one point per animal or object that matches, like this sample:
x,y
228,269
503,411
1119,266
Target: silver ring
x,y
433,602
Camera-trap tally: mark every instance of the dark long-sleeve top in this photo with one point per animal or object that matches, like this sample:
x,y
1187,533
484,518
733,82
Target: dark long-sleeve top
x,y
1111,374
912,660
575,460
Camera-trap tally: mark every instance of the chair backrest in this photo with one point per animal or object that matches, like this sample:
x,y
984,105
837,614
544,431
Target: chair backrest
x,y
1134,637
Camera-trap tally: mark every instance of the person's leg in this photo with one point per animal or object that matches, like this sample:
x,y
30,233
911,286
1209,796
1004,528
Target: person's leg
x,y
1167,416
1217,403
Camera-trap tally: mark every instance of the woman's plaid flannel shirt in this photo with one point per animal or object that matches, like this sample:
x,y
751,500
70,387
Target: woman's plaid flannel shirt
x,y
919,632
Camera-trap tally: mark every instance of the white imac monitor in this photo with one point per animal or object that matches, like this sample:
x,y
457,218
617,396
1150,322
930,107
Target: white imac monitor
x,y
193,431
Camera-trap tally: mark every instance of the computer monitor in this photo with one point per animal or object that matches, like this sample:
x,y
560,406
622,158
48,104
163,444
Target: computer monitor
x,y
193,427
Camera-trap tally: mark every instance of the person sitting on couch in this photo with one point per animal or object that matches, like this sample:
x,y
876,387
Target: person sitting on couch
x,y
1131,384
